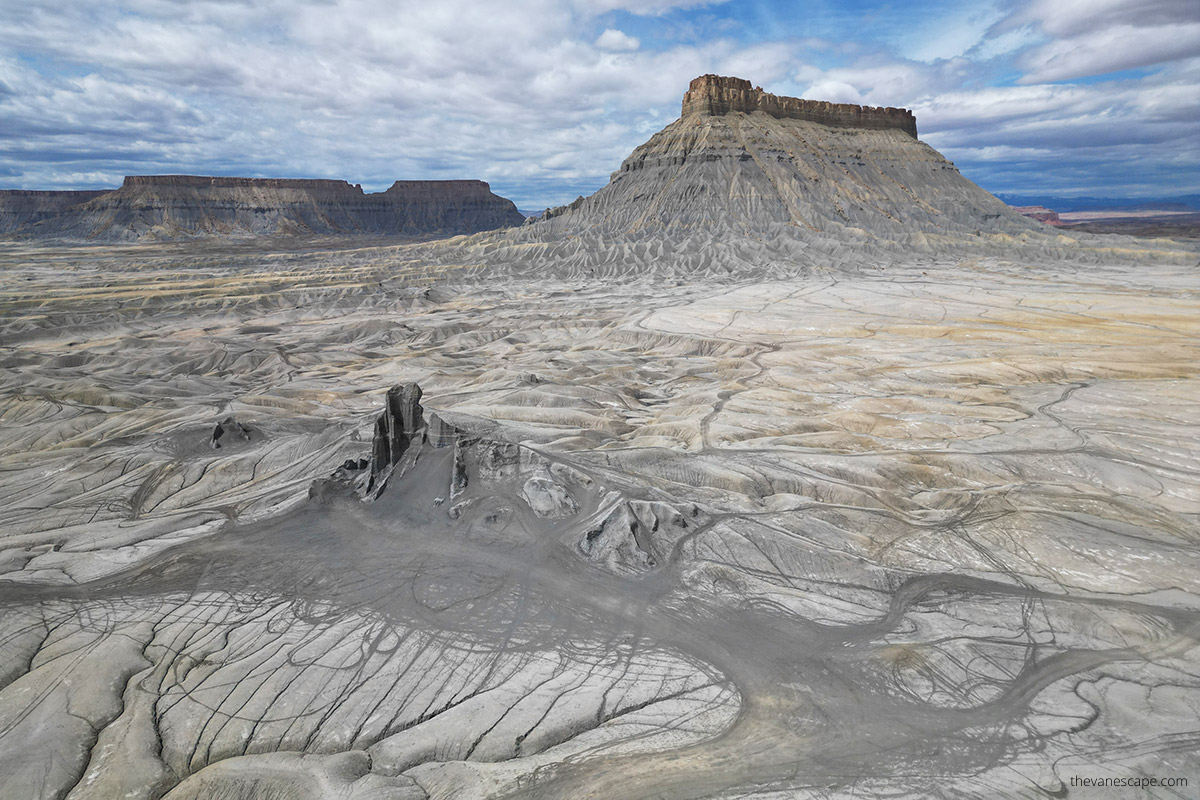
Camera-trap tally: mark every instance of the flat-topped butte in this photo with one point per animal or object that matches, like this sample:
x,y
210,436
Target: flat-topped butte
x,y
715,95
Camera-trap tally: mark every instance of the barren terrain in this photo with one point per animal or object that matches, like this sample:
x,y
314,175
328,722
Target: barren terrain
x,y
919,527
790,464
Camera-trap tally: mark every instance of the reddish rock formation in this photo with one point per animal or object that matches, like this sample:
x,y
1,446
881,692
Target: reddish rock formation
x,y
1041,214
715,95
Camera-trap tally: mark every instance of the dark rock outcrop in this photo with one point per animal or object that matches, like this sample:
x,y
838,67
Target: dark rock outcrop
x,y
184,206
402,421
228,430
400,432
477,477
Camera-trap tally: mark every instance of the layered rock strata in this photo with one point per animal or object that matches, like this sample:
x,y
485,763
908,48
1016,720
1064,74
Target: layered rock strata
x,y
715,95
812,519
183,206
21,208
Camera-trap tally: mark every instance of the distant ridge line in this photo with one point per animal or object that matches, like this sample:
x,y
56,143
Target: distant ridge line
x,y
206,181
325,184
166,207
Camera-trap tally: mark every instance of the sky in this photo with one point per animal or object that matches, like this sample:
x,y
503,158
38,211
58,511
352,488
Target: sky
x,y
544,98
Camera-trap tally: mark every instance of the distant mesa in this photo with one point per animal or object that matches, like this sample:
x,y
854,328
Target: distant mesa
x,y
165,207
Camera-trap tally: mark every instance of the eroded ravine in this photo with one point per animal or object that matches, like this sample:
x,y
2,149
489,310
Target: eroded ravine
x,y
814,703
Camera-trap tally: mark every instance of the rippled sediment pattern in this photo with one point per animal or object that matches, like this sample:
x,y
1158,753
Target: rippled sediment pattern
x,y
908,531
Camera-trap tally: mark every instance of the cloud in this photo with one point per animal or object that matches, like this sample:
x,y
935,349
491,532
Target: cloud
x,y
1002,41
613,39
833,92
952,34
368,90
641,7
1066,18
1111,49
1093,37
1074,139
882,81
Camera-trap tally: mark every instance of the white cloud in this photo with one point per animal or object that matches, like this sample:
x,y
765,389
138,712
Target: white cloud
x,y
1000,42
1087,38
882,82
1104,50
613,39
761,64
954,34
1067,18
985,107
833,92
367,90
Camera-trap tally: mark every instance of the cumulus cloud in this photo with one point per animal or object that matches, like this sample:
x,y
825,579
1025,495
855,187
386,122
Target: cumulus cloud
x,y
834,92
1094,37
613,39
1111,49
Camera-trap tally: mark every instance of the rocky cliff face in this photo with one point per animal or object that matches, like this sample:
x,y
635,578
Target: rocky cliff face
x,y
182,206
20,208
715,95
451,206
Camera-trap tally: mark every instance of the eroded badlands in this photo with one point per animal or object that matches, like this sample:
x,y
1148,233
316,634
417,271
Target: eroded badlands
x,y
924,527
